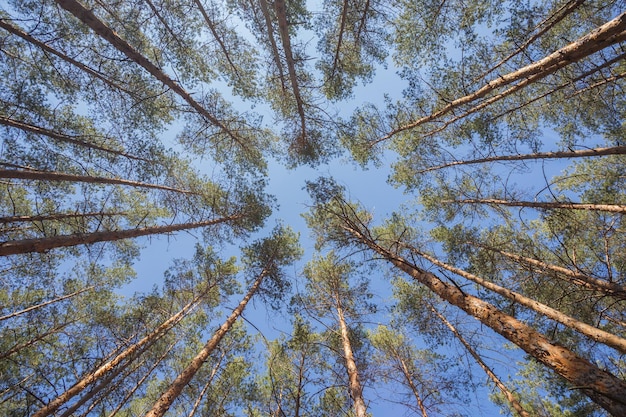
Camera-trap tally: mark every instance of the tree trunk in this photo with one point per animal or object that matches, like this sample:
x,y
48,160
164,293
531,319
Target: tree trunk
x,y
270,34
585,281
356,390
585,329
176,387
602,387
57,216
549,205
409,380
63,137
35,307
60,176
507,393
129,352
47,243
101,29
615,150
602,37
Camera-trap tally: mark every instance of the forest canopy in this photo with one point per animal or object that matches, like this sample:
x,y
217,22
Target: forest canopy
x,y
497,284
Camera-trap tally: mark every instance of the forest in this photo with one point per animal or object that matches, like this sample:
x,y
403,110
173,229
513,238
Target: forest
x,y
291,208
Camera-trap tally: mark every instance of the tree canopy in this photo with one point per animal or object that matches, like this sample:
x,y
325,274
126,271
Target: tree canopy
x,y
491,278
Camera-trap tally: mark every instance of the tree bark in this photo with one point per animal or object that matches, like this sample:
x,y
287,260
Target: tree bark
x,y
270,34
167,398
611,208
507,393
614,150
586,281
602,387
356,390
58,216
33,174
63,137
47,243
604,36
40,305
101,29
585,329
105,369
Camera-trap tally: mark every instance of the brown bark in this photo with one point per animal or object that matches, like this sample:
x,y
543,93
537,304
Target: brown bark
x,y
586,281
602,37
354,386
585,329
611,208
216,35
507,393
111,365
602,387
614,150
47,243
131,392
173,391
206,387
342,26
40,305
101,29
281,13
36,339
33,174
409,380
58,216
75,140
270,34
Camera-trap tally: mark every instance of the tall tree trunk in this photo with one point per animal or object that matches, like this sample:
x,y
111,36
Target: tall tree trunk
x,y
602,387
356,390
167,398
602,37
609,288
101,29
129,352
56,300
614,150
507,393
57,216
33,174
585,329
75,140
270,34
47,243
36,339
409,380
611,208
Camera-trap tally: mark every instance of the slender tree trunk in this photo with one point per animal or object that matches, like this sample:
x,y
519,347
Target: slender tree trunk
x,y
101,29
602,387
281,13
586,281
615,150
165,24
131,392
585,329
507,393
409,379
47,243
602,37
105,369
342,26
270,34
60,176
35,307
19,32
167,398
611,208
36,339
58,216
206,387
75,140
356,390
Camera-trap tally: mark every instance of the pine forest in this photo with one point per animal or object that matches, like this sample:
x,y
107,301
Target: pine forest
x,y
291,208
